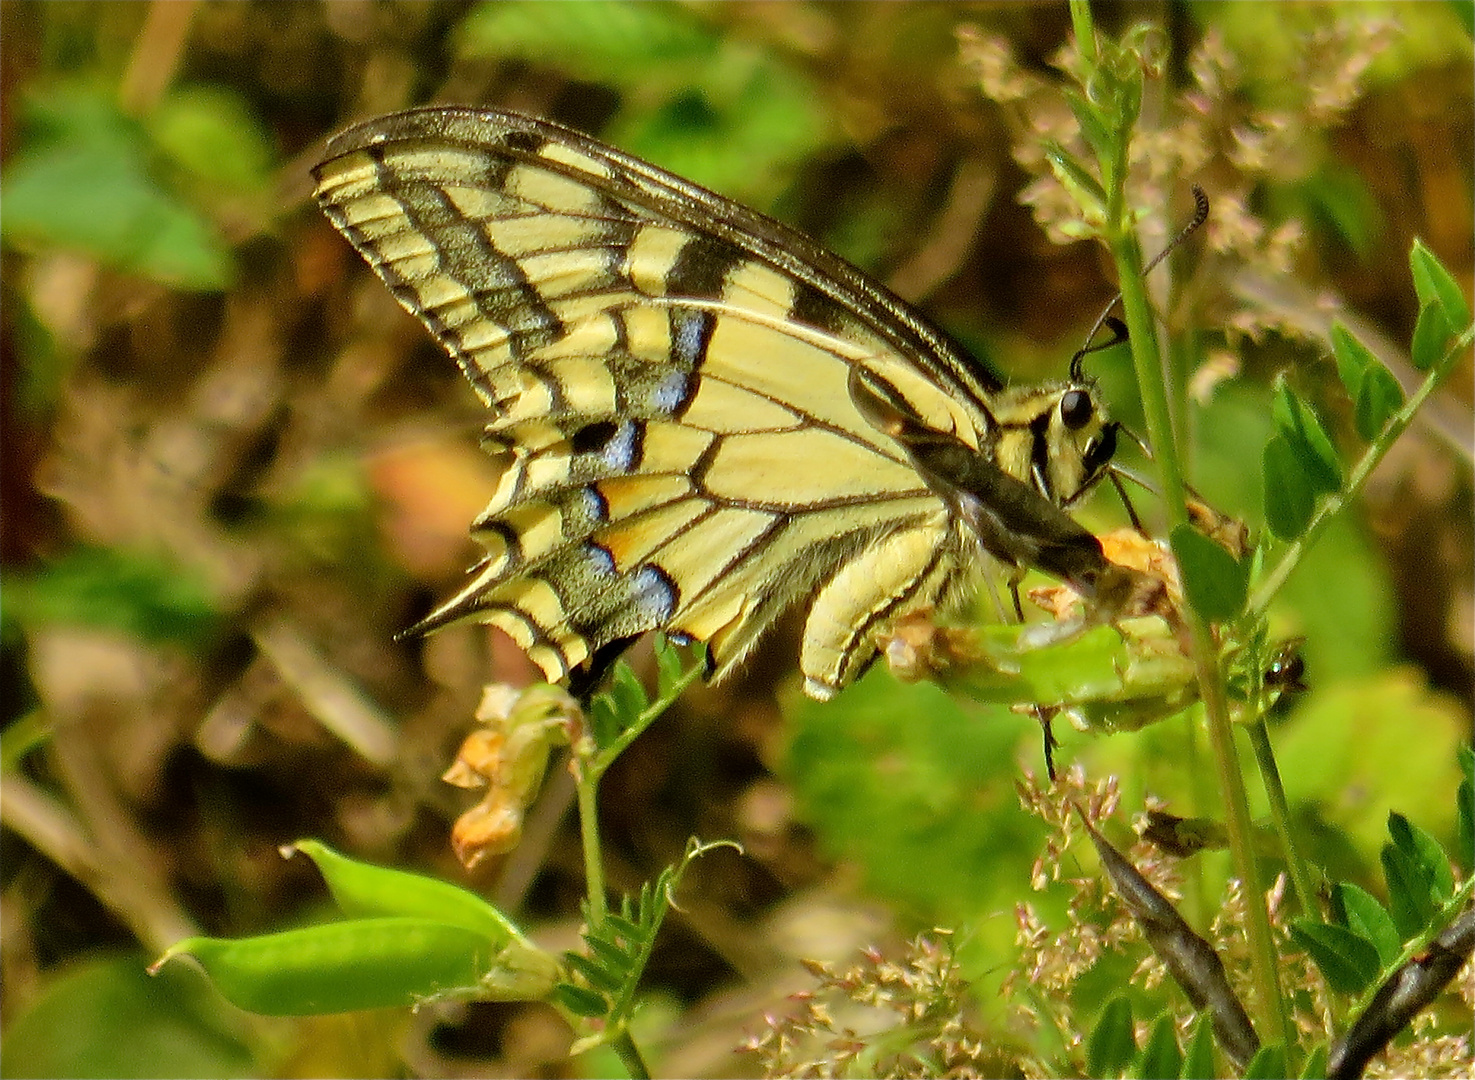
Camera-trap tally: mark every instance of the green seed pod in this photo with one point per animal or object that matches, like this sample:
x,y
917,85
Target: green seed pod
x,y
362,890
341,967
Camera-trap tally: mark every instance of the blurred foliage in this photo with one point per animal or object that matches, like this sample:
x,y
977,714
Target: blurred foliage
x,y
116,590
220,433
75,137
124,1023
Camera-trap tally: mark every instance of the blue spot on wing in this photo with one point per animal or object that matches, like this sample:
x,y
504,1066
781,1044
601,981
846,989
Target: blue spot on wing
x,y
691,330
672,392
654,592
622,451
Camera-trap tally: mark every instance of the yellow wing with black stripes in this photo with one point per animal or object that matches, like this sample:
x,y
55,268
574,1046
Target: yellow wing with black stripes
x,y
673,385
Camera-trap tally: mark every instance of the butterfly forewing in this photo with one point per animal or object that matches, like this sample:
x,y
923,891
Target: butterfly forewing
x,y
668,377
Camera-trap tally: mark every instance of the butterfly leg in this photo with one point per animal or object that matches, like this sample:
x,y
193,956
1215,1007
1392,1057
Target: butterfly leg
x,y
1014,592
1045,714
1121,489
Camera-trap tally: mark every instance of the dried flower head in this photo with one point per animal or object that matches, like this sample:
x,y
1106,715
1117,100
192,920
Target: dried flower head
x,y
508,757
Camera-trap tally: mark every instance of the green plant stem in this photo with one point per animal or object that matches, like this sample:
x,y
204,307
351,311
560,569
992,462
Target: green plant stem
x,y
1272,583
592,763
1280,814
1085,31
629,1055
588,792
1146,360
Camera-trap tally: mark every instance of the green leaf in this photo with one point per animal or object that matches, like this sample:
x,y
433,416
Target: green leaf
x,y
1348,961
580,1000
212,132
1431,337
1269,1063
619,926
1198,1062
1408,893
138,594
1314,1068
600,978
1370,919
614,958
1434,283
1379,396
362,890
81,179
1353,358
1296,421
1160,1057
1085,187
1424,853
599,40
1215,582
1112,1043
669,665
889,776
627,695
702,104
1341,196
1094,128
1289,498
343,966
104,1016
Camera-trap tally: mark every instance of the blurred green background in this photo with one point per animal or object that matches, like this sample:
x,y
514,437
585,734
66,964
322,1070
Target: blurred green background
x,y
234,469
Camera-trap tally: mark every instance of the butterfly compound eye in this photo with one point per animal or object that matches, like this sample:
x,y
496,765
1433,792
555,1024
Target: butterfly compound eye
x,y
1076,409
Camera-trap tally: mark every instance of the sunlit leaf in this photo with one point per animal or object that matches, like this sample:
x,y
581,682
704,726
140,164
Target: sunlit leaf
x,y
1301,427
106,588
104,1016
1269,1063
1353,358
212,132
1434,283
80,177
1348,961
1289,498
1432,335
1379,396
1198,1061
1314,1067
1161,1056
1367,917
1216,583
1112,1043
1424,853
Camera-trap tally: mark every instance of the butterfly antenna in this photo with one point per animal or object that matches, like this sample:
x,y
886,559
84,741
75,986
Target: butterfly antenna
x,y
1118,328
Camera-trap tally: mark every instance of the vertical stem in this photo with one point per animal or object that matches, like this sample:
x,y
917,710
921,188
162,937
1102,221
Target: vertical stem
x,y
1280,813
588,788
629,1055
1085,31
1145,359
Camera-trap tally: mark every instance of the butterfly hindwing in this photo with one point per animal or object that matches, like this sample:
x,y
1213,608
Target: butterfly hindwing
x,y
669,378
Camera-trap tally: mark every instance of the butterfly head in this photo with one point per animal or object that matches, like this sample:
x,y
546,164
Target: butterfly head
x,y
1078,444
